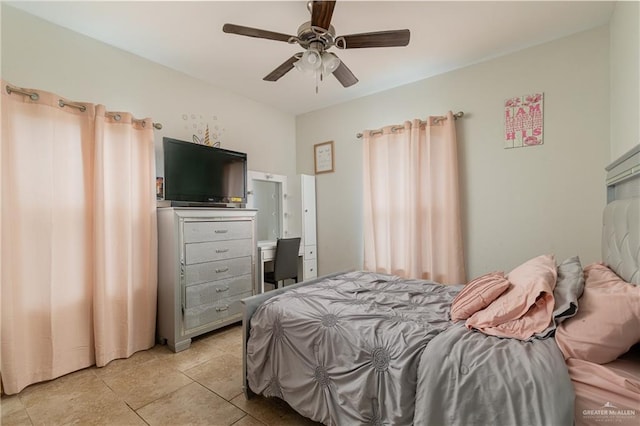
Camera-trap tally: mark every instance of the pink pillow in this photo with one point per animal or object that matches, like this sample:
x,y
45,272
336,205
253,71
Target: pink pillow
x,y
608,320
478,294
526,308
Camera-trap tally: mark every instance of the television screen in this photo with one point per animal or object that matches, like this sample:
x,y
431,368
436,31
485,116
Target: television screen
x,y
200,173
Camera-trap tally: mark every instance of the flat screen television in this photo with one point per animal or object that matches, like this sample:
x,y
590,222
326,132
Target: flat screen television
x,y
203,174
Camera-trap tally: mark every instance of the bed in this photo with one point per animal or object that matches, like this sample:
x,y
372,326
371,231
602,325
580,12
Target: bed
x,y
365,348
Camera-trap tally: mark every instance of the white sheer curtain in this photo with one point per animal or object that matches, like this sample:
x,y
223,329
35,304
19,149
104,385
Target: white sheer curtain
x,y
78,238
411,202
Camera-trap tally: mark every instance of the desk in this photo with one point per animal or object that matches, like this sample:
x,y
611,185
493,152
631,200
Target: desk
x,y
266,253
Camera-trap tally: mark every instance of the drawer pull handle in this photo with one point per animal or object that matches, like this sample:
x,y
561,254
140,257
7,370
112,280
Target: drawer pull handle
x,y
220,290
221,231
222,250
221,270
224,308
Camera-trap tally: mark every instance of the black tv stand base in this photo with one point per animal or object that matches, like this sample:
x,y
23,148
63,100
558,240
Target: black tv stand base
x,y
171,203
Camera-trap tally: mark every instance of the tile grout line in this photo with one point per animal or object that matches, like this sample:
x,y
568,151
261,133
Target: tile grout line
x,y
135,411
139,416
223,398
160,397
24,407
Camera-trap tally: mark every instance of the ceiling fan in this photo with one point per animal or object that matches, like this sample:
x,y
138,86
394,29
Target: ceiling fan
x,y
316,37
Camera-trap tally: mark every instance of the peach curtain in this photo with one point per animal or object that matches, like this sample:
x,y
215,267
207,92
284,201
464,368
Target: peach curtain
x,y
78,238
411,202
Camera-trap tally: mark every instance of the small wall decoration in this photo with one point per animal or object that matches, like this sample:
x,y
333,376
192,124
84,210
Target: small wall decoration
x,y
323,157
523,121
203,129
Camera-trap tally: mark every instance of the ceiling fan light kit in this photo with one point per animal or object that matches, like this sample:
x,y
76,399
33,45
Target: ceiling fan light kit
x,y
316,37
310,61
330,62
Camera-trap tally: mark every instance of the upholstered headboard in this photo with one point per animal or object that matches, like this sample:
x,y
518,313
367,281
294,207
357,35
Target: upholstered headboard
x,y
621,219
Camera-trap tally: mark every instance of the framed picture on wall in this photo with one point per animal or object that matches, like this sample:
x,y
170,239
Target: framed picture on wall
x,y
323,157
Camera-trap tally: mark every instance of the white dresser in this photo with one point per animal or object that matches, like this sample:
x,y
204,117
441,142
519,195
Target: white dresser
x,y
206,265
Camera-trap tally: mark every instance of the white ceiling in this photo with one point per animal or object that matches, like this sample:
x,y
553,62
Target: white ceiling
x,y
188,37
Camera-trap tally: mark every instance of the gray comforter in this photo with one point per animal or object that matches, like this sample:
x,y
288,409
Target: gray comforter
x,y
355,349
468,378
345,351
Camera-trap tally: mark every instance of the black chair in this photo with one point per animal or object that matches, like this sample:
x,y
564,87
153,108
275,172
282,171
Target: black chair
x,y
285,261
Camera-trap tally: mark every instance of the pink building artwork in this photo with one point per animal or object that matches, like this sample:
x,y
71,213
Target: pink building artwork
x,y
523,119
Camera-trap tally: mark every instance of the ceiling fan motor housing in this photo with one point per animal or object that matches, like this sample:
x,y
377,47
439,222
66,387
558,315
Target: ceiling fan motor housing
x,y
319,38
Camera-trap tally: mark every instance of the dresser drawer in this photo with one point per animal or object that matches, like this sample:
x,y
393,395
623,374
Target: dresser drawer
x,y
196,232
218,270
309,252
268,253
211,292
310,269
217,250
206,314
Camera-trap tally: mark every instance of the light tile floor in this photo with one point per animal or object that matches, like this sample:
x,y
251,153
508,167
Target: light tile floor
x,y
199,386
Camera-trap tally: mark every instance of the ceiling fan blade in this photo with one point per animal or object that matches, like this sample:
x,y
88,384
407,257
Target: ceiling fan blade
x,y
344,75
321,12
254,32
282,69
392,38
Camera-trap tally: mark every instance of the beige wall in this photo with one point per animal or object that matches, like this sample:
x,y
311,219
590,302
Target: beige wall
x,y
625,77
518,203
41,55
